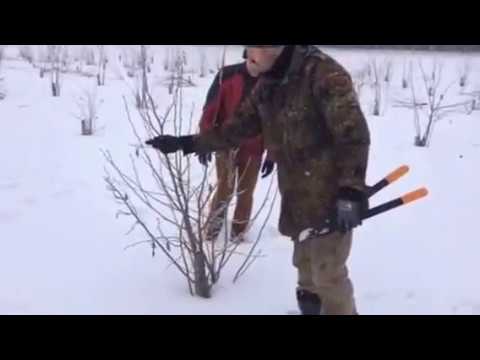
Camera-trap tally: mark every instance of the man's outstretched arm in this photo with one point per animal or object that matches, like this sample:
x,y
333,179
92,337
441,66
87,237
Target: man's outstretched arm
x,y
245,124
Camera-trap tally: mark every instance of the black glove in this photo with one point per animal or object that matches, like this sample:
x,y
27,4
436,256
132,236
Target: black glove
x,y
267,168
350,208
205,159
170,144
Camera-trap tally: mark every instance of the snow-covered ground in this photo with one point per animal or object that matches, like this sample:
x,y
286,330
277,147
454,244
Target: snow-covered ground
x,y
62,251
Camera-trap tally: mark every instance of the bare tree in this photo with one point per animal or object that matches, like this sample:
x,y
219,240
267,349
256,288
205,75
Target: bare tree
x,y
376,73
88,55
360,79
203,62
429,108
431,81
102,65
41,60
174,196
177,76
132,61
54,60
166,59
26,53
474,101
379,78
388,72
58,59
406,74
219,64
464,73
88,107
46,55
141,84
2,55
65,58
145,68
2,90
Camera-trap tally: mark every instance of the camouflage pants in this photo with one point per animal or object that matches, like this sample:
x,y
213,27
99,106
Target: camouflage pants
x,y
322,270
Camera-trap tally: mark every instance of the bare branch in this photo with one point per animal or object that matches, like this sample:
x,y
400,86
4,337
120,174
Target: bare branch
x,y
132,210
245,264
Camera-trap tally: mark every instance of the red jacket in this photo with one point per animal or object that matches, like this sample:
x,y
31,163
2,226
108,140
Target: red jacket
x,y
225,95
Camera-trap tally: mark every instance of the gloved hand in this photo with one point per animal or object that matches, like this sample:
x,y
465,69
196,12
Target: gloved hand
x,y
168,144
350,207
267,168
205,159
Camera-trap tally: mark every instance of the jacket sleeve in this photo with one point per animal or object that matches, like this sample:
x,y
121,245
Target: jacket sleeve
x,y
211,114
270,156
246,123
334,91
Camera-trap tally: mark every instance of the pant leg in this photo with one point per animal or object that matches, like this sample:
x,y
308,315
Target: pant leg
x,y
223,193
322,264
302,261
247,175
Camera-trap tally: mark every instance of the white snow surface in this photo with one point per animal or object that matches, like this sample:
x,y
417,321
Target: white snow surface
x,y
62,250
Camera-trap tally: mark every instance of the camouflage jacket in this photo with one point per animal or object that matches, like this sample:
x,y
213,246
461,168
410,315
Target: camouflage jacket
x,y
312,123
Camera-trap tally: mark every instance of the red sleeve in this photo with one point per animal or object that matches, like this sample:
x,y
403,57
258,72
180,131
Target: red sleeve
x,y
211,111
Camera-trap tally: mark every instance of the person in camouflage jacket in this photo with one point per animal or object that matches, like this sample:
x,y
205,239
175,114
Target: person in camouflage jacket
x,y
305,107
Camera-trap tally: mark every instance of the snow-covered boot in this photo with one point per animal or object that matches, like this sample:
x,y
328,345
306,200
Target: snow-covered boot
x,y
309,303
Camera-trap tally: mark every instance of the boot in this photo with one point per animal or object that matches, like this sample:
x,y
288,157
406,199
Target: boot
x,y
309,303
214,228
237,238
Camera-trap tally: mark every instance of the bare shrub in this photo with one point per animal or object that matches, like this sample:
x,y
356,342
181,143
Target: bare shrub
x,y
167,198
102,65
430,106
26,53
464,73
88,107
406,74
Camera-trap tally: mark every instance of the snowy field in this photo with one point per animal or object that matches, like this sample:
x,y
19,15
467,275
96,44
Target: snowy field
x,y
63,251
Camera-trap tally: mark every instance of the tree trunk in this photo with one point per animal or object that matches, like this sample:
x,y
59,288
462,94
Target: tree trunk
x,y
420,142
202,286
54,90
57,81
87,128
104,72
378,94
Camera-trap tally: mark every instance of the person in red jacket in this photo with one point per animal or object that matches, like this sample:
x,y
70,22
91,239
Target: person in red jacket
x,y
241,165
